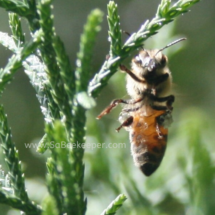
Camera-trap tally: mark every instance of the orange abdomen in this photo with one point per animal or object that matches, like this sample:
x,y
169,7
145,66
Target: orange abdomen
x,y
148,141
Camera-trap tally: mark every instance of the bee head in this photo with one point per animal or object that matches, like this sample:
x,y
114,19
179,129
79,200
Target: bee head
x,y
149,63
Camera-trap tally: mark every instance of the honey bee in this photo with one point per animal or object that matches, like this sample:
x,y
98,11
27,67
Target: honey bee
x,y
148,113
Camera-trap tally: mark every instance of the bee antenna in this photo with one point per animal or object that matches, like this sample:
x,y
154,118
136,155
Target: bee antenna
x,y
171,44
127,33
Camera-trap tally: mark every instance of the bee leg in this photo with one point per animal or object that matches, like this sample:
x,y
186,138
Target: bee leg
x,y
127,122
125,69
113,104
159,107
170,101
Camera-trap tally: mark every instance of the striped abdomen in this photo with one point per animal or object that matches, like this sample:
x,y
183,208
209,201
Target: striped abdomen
x,y
148,141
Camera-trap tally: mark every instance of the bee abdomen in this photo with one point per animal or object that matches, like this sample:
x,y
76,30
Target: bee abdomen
x,y
150,162
147,158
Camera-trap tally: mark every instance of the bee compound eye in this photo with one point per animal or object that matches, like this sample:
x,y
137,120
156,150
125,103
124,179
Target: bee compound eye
x,y
163,61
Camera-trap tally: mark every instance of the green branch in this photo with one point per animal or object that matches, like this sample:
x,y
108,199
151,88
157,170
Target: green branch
x,y
16,6
35,69
19,204
53,182
49,206
64,171
115,205
16,28
84,56
12,159
115,31
49,57
66,73
15,62
83,75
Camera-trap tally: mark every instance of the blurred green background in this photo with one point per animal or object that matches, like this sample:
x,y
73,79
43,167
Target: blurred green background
x,y
184,183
